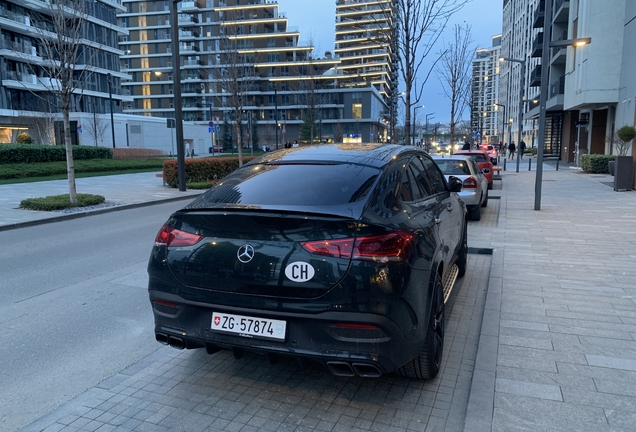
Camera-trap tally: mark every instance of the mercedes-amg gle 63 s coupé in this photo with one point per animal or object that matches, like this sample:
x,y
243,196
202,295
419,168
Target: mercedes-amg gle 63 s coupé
x,y
340,254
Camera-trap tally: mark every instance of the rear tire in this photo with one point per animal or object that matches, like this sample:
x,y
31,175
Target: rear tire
x,y
475,213
485,203
462,255
426,365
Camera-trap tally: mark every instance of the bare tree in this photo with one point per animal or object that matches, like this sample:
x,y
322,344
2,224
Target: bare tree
x,y
237,77
96,128
454,73
417,26
308,94
63,44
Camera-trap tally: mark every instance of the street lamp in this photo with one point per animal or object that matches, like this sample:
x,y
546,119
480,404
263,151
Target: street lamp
x,y
110,98
428,146
521,96
176,84
543,97
415,119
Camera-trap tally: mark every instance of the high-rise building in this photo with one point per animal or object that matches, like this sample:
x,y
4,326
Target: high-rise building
x,y
25,101
486,113
288,82
519,41
365,44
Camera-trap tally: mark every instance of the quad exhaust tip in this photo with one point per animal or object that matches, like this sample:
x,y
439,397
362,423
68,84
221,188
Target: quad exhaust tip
x,y
173,341
345,369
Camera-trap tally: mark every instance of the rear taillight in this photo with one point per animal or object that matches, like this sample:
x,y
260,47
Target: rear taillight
x,y
172,237
470,183
392,247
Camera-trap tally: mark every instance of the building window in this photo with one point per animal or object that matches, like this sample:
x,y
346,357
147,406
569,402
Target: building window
x,y
356,111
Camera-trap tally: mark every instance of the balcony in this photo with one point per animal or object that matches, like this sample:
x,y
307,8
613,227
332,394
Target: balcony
x,y
535,77
561,11
557,87
537,46
539,15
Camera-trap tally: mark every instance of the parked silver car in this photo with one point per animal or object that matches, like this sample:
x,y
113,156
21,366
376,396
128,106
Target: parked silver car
x,y
475,186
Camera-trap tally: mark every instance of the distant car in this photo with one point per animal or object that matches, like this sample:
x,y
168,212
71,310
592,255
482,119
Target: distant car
x,y
475,186
483,161
340,254
218,148
492,152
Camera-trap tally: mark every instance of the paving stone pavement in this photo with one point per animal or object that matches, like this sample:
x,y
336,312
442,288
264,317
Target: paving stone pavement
x,y
557,348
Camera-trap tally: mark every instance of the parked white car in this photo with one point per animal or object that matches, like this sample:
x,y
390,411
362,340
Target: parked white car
x,y
475,185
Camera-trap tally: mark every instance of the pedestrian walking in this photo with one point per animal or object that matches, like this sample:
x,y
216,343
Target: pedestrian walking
x,y
522,148
511,150
466,146
187,148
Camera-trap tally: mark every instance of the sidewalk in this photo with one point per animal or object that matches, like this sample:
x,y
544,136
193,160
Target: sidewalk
x,y
120,191
557,349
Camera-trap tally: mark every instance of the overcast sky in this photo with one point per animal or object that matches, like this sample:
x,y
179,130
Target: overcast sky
x,y
317,18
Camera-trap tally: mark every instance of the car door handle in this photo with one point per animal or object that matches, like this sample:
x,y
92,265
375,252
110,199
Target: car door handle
x,y
438,221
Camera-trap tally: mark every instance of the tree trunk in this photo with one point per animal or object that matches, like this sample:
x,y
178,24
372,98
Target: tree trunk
x,y
239,142
70,166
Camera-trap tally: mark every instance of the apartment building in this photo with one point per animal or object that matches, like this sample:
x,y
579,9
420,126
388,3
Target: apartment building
x,y
365,44
519,41
25,102
590,89
287,74
487,113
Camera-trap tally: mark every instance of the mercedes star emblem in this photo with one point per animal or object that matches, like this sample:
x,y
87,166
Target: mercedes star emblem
x,y
245,253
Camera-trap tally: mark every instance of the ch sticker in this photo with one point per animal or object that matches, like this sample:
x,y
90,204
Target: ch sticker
x,y
299,271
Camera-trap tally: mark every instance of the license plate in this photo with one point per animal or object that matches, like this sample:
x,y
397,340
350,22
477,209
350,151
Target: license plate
x,y
249,326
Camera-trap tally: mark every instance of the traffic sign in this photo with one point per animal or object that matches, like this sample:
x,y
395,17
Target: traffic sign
x,y
218,128
210,129
211,124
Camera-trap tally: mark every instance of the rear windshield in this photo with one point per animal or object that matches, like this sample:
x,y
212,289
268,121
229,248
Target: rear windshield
x,y
453,166
478,157
294,185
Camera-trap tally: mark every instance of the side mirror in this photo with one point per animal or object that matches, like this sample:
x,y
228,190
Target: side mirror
x,y
455,184
485,170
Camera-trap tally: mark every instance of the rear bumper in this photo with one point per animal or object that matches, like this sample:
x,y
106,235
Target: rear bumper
x,y
308,336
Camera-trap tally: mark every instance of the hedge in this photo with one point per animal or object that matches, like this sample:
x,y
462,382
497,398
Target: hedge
x,y
596,163
16,153
44,169
201,170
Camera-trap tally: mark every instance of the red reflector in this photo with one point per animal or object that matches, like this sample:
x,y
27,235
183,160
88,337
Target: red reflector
x,y
357,326
470,183
165,303
395,247
171,237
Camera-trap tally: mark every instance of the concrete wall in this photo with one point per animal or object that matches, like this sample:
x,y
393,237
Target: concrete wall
x,y
593,72
626,111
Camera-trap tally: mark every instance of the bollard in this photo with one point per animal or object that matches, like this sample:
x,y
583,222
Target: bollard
x,y
504,168
558,159
529,164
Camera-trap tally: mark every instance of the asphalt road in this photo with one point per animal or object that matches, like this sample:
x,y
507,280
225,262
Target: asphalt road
x,y
73,307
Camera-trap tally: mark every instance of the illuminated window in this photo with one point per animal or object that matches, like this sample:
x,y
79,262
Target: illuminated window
x,y
356,111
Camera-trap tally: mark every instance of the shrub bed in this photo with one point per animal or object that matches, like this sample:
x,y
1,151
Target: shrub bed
x,y
596,163
60,202
201,170
16,153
